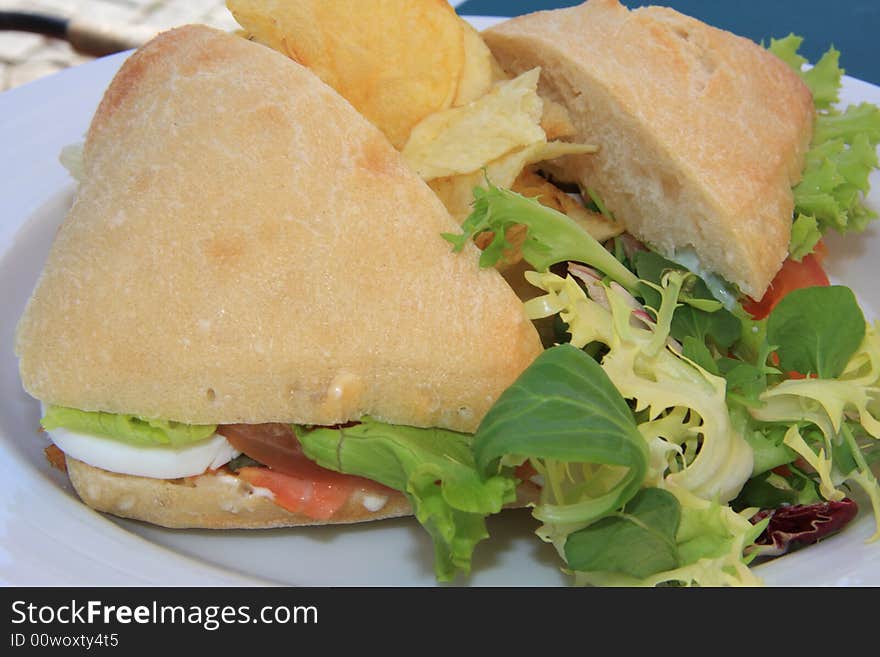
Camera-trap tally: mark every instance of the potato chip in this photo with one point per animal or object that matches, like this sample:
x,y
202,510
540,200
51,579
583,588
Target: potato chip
x,y
463,139
480,68
396,61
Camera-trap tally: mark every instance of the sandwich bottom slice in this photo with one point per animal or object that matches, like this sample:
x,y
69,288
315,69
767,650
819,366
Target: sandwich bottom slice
x,y
221,500
217,500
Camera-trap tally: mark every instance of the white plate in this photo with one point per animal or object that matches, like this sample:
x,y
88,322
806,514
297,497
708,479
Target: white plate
x,y
48,538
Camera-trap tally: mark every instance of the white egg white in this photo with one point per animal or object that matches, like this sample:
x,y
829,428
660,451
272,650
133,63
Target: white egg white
x,y
155,462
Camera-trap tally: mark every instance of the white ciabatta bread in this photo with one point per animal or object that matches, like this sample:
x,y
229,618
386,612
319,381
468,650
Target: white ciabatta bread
x,y
701,133
245,247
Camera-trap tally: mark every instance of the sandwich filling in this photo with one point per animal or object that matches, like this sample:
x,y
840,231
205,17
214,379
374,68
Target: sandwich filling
x,y
266,456
314,471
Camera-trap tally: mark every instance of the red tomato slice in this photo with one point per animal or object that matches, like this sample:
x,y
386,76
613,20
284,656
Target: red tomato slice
x,y
792,276
273,444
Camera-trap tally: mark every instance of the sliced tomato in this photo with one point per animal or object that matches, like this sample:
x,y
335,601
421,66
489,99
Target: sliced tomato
x,y
273,444
792,276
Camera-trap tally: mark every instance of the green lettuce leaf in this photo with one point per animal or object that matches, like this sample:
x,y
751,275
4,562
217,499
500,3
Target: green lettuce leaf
x,y
710,544
817,330
787,50
763,492
433,467
551,237
565,416
805,234
830,195
137,431
715,326
856,120
745,382
823,79
696,350
637,541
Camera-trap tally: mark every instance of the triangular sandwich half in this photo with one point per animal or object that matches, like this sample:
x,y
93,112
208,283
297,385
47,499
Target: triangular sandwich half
x,y
245,248
701,133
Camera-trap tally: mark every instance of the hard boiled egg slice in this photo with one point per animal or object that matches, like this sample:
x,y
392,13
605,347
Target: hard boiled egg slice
x,y
155,462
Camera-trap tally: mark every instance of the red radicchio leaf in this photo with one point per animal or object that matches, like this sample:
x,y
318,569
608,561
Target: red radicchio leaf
x,y
797,525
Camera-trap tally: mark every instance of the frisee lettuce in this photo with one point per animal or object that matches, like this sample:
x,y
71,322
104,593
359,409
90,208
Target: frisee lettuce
x,y
600,504
837,407
701,451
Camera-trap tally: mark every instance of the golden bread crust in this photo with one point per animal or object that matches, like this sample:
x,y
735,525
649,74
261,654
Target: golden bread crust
x,y
245,248
701,133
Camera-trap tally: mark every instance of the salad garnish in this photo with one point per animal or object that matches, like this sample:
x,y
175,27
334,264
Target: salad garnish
x,y
741,418
843,152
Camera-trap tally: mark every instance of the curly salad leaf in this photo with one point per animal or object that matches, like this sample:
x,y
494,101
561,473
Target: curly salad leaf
x,y
682,407
699,317
434,468
842,154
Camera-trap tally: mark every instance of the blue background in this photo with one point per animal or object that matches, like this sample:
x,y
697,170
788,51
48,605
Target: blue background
x,y
852,26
